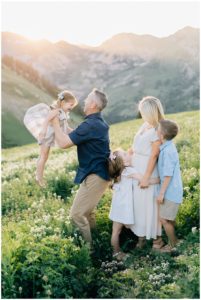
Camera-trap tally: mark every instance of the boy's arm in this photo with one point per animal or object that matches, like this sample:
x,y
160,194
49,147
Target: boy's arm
x,y
163,189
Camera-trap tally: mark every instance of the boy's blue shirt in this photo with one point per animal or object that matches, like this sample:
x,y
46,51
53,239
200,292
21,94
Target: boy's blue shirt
x,y
168,165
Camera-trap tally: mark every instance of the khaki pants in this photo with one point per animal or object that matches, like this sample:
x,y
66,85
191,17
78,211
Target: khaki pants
x,y
82,211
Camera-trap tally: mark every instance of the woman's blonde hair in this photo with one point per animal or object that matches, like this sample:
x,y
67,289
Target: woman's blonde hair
x,y
115,166
66,96
151,110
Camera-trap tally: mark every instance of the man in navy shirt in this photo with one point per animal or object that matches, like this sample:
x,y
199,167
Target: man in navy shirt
x,y
92,140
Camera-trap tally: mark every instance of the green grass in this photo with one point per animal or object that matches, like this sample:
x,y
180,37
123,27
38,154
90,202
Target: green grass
x,y
43,254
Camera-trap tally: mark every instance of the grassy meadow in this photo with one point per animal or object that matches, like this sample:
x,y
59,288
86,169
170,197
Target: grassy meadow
x,y
43,254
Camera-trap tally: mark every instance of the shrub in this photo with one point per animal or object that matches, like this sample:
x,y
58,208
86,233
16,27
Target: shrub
x,y
54,267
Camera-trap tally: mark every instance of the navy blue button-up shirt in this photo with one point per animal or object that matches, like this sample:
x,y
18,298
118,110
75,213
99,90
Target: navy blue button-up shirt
x,y
92,140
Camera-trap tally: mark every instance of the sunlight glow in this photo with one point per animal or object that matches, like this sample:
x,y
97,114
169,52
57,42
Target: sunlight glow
x,y
92,23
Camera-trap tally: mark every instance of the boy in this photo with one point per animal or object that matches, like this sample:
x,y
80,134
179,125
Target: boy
x,y
171,190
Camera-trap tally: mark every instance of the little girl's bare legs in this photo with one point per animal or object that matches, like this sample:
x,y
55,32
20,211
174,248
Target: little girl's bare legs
x,y
117,253
44,153
116,230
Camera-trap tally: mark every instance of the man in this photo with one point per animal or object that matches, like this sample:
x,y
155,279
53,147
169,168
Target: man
x,y
92,140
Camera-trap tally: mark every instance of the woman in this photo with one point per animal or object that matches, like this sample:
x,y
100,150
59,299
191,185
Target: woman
x,y
145,154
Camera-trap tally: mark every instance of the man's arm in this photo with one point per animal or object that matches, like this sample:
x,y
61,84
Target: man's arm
x,y
62,139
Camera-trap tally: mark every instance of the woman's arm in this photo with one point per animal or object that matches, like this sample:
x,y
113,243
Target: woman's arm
x,y
144,183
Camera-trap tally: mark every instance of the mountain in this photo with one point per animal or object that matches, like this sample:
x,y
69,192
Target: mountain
x,y
127,67
182,45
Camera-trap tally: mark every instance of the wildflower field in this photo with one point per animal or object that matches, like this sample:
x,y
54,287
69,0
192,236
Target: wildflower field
x,y
43,254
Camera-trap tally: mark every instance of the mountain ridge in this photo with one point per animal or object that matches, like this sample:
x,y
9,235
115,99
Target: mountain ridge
x,y
167,68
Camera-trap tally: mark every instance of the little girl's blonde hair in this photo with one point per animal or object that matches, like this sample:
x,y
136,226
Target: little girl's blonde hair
x,y
151,110
66,96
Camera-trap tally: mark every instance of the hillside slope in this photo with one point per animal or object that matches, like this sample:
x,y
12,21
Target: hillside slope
x,y
18,94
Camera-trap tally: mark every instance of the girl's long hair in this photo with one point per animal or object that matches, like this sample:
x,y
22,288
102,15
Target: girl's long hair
x,y
116,167
66,96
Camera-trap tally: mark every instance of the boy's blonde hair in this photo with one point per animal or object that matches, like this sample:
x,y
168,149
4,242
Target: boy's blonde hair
x,y
66,96
151,110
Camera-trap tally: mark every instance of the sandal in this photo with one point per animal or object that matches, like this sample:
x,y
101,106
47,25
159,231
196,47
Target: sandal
x,y
167,249
158,244
120,256
141,243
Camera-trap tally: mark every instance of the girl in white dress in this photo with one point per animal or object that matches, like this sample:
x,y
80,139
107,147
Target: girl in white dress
x,y
37,120
122,207
145,154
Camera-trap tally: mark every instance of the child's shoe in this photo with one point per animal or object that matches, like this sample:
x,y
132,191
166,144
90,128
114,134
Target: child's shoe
x,y
167,249
120,256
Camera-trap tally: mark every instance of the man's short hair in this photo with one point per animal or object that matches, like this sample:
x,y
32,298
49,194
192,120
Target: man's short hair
x,y
100,99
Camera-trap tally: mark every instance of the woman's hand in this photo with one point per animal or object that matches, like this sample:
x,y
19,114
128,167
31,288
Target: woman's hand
x,y
144,183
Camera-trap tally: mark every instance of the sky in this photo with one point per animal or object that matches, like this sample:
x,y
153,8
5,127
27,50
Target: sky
x,y
91,23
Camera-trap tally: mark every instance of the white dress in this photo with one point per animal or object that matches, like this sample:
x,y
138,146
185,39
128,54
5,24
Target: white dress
x,y
122,207
34,119
145,206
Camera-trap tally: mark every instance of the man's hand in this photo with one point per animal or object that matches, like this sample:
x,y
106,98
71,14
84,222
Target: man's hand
x,y
160,198
144,183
